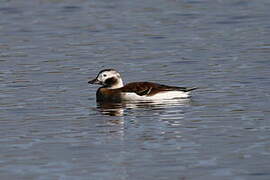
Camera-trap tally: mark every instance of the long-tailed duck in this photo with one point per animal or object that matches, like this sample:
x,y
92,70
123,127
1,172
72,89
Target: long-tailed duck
x,y
113,89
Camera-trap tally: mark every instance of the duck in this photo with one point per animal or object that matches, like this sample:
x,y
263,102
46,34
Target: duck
x,y
113,89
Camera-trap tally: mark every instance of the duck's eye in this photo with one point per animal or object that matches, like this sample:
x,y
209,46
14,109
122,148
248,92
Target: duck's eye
x,y
104,75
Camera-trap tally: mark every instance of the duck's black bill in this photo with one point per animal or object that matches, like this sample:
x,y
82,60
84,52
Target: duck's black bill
x,y
94,81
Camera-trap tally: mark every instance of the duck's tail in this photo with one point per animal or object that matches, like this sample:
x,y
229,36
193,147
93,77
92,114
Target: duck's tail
x,y
186,89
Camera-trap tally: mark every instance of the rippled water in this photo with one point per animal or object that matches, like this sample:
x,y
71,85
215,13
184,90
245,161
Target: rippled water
x,y
52,128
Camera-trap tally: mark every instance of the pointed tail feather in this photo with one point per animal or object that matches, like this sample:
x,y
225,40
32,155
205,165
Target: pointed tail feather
x,y
185,89
191,89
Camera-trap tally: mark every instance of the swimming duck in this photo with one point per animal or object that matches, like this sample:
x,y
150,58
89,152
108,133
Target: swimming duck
x,y
113,89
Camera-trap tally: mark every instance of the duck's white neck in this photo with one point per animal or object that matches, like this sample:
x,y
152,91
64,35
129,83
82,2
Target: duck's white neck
x,y
117,85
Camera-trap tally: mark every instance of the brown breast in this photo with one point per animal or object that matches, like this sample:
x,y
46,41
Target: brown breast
x,y
104,94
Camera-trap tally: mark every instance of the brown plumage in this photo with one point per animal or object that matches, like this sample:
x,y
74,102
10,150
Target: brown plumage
x,y
150,89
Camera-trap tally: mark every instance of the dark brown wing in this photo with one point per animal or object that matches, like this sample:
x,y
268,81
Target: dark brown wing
x,y
150,89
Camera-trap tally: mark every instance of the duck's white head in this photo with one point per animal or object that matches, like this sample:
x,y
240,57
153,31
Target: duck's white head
x,y
109,78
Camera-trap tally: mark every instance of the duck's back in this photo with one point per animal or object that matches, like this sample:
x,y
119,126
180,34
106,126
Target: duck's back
x,y
152,91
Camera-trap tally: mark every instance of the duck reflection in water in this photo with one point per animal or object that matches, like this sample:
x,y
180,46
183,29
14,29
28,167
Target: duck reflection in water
x,y
118,109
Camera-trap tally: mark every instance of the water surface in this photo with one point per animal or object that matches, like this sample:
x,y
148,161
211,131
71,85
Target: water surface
x,y
52,128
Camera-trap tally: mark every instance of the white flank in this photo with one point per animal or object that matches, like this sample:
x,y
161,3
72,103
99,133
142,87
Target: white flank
x,y
158,96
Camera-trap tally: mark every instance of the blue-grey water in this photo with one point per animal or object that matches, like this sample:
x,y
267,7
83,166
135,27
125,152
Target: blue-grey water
x,y
52,128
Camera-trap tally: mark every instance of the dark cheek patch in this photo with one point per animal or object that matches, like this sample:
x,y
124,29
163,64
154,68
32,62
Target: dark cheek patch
x,y
110,81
